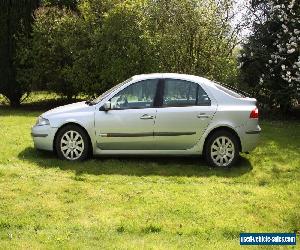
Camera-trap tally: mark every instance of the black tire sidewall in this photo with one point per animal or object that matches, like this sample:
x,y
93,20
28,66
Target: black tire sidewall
x,y
84,136
212,138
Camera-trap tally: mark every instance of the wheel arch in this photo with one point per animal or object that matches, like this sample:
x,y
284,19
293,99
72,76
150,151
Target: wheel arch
x,y
77,125
226,128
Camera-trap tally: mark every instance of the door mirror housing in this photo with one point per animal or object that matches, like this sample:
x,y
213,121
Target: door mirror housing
x,y
106,106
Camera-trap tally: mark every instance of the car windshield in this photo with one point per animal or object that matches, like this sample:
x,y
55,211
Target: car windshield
x,y
101,97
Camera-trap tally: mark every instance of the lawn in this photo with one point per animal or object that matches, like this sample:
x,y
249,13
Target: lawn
x,y
153,203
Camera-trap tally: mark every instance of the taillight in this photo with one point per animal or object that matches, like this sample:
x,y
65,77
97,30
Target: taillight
x,y
254,114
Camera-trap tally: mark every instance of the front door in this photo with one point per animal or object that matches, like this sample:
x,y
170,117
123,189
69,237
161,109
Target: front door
x,y
129,125
184,115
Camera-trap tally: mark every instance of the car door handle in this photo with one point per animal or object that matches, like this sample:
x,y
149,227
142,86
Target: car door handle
x,y
146,117
202,115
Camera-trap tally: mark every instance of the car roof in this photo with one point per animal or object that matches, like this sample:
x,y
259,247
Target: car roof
x,y
186,77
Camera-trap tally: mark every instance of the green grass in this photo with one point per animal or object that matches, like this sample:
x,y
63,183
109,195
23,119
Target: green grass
x,y
153,203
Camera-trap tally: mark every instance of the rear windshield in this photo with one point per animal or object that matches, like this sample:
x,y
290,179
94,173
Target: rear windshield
x,y
230,90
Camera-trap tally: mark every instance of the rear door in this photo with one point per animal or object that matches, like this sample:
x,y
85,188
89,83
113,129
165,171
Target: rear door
x,y
185,112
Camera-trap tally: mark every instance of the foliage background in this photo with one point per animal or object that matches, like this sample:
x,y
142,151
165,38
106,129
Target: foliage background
x,y
84,47
270,60
88,46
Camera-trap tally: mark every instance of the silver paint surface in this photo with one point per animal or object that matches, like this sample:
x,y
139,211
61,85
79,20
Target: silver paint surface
x,y
162,131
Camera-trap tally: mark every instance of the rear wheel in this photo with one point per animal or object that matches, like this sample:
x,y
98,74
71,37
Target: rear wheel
x,y
222,149
72,143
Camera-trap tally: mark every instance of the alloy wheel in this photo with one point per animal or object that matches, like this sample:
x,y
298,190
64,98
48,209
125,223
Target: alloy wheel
x,y
222,151
72,145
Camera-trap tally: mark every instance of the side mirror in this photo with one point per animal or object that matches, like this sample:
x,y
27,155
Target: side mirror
x,y
106,106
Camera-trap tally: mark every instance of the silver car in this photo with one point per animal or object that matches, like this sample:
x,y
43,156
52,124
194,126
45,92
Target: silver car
x,y
154,114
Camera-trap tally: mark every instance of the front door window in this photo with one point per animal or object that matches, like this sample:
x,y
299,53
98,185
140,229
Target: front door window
x,y
139,95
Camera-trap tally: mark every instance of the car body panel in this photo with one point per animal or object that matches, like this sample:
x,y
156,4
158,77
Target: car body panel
x,y
179,128
125,129
78,113
173,130
43,137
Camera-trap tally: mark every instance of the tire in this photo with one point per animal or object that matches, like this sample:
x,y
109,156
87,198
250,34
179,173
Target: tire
x,y
222,149
72,143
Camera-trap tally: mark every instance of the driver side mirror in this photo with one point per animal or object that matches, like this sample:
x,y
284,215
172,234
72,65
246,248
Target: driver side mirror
x,y
106,106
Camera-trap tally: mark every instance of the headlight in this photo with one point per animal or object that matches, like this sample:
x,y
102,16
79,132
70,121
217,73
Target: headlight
x,y
42,121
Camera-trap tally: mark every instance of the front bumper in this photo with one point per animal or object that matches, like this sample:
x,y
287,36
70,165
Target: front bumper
x,y
43,137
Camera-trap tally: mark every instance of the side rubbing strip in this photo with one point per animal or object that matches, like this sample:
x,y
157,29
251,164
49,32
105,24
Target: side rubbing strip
x,y
146,134
173,133
126,134
39,135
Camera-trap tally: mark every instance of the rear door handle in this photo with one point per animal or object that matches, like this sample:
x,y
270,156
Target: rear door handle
x,y
146,117
203,115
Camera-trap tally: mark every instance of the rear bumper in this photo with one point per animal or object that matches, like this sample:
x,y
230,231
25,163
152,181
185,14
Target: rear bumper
x,y
43,137
250,139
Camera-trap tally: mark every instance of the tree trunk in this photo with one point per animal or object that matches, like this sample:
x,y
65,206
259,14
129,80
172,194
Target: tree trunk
x,y
15,103
14,99
69,97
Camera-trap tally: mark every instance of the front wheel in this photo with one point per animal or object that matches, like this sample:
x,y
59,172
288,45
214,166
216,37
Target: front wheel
x,y
222,149
72,143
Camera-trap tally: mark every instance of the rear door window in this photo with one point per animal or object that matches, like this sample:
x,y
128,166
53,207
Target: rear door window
x,y
180,93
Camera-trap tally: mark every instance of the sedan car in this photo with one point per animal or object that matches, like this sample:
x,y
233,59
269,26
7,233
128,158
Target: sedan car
x,y
154,114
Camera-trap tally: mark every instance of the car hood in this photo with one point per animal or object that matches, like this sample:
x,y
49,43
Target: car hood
x,y
70,108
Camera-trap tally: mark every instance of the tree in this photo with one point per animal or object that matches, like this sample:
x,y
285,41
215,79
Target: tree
x,y
193,37
105,42
124,48
270,61
58,52
71,4
15,19
64,50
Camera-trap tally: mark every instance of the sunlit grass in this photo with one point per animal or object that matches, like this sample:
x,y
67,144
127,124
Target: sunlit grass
x,y
158,203
38,99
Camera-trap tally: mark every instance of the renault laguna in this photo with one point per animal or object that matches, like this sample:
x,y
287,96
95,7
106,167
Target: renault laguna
x,y
154,114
